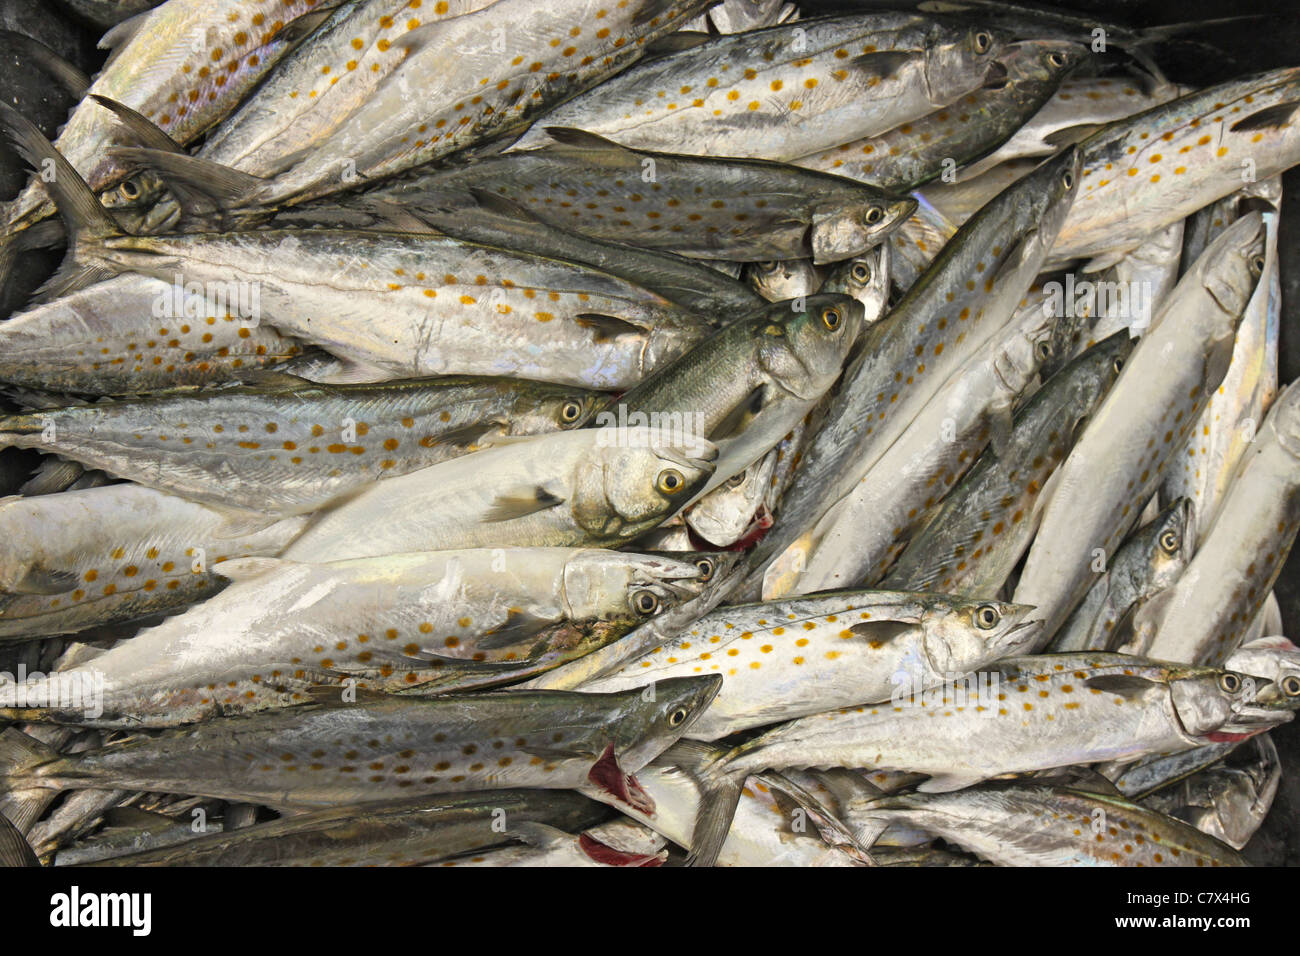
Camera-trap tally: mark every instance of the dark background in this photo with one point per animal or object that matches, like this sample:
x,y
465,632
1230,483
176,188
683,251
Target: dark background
x,y
1201,56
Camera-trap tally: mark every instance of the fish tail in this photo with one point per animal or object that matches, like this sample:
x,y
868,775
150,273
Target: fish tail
x,y
720,787
14,848
21,803
84,217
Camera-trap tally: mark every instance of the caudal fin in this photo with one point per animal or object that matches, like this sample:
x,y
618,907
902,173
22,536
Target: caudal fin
x,y
14,848
85,219
20,802
720,788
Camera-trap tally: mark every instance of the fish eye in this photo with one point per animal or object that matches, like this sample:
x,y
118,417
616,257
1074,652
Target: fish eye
x,y
1169,542
1117,365
769,265
1056,59
873,215
831,318
1230,683
1291,686
861,272
646,602
735,481
987,617
570,412
983,42
130,190
1257,265
670,481
676,718
706,568
1067,180
1043,350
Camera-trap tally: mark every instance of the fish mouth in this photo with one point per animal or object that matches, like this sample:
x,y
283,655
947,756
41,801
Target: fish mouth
x,y
1020,635
609,856
755,533
608,777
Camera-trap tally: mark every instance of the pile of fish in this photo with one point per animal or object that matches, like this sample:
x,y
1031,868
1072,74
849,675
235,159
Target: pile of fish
x,y
628,432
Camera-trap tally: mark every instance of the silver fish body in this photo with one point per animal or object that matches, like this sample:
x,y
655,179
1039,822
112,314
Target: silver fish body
x,y
1118,462
292,449
592,486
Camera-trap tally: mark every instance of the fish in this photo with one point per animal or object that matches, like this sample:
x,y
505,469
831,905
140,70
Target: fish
x,y
586,487
1097,711
696,206
320,85
746,386
504,71
959,550
116,553
782,660
1151,559
736,95
736,508
1236,410
617,843
763,832
778,281
1204,615
280,450
1079,107
1127,295
719,574
494,221
855,543
411,831
1164,164
1124,452
1275,659
907,356
422,318
934,145
209,53
865,278
424,623
105,339
334,753
1027,823
1226,802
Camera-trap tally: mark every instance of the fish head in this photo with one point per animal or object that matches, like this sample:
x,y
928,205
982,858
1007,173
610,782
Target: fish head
x,y
142,204
1101,365
780,280
637,476
551,407
613,585
959,59
1219,705
655,716
803,343
865,277
1044,62
724,515
1026,349
1231,265
1045,197
1275,658
1175,540
965,634
1284,420
841,230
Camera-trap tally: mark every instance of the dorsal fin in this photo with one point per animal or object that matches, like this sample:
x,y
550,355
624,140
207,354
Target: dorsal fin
x,y
146,133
